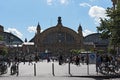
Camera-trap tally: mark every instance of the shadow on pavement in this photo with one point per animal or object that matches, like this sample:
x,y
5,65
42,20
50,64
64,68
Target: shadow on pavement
x,y
100,77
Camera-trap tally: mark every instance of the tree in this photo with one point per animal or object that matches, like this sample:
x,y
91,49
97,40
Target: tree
x,y
77,51
1,38
3,51
3,48
110,27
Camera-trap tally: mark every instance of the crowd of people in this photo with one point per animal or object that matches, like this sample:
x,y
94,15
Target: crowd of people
x,y
104,63
13,63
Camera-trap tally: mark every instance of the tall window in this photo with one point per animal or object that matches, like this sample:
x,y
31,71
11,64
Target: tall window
x,y
59,37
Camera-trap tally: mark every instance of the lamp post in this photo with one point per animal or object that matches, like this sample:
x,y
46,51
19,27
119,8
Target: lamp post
x,y
17,50
36,54
10,38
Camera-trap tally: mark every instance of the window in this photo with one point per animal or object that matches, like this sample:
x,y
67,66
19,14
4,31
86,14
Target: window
x,y
58,37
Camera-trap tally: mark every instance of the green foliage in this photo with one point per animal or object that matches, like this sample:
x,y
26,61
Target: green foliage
x,y
76,51
1,38
101,51
82,50
110,27
105,27
112,51
4,51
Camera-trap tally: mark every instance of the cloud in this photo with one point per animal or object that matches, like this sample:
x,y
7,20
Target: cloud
x,y
97,12
15,32
87,32
85,5
31,29
49,2
63,2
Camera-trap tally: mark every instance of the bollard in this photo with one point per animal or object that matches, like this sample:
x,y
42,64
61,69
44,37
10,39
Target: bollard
x,y
88,69
53,69
17,69
34,69
97,69
87,63
69,69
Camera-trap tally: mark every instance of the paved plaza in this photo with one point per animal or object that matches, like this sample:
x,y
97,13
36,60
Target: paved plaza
x,y
44,72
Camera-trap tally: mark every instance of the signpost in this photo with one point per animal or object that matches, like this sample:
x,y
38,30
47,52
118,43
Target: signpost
x,y
88,63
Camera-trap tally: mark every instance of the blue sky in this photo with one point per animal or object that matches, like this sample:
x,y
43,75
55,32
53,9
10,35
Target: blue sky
x,y
21,17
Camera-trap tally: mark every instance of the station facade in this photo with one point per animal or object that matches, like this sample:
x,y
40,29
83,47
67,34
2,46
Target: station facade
x,y
56,40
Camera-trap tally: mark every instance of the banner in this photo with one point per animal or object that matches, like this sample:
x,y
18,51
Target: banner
x,y
92,58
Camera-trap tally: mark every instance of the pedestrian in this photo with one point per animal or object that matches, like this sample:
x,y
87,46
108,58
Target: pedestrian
x,y
82,59
60,60
30,60
24,60
8,61
98,63
48,59
13,69
77,60
36,58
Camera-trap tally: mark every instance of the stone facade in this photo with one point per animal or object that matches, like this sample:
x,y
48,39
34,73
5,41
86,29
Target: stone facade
x,y
58,39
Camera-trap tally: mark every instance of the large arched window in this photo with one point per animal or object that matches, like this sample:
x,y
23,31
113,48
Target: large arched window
x,y
58,37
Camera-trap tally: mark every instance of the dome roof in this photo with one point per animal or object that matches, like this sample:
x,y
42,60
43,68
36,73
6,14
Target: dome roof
x,y
59,28
11,38
95,38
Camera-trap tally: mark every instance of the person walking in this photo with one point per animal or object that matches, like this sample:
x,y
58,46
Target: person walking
x,y
77,60
30,60
60,60
98,63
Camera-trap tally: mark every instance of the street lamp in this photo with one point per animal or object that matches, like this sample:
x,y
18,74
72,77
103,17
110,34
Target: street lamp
x,y
36,54
17,49
10,41
36,49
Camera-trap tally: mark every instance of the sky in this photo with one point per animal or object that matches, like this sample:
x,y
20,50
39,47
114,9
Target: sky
x,y
21,17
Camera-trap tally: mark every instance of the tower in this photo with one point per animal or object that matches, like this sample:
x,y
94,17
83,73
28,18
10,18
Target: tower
x,y
37,35
38,28
25,39
80,30
80,35
59,24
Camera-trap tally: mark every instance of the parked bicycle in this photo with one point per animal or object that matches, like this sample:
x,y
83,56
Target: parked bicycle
x,y
3,68
14,69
